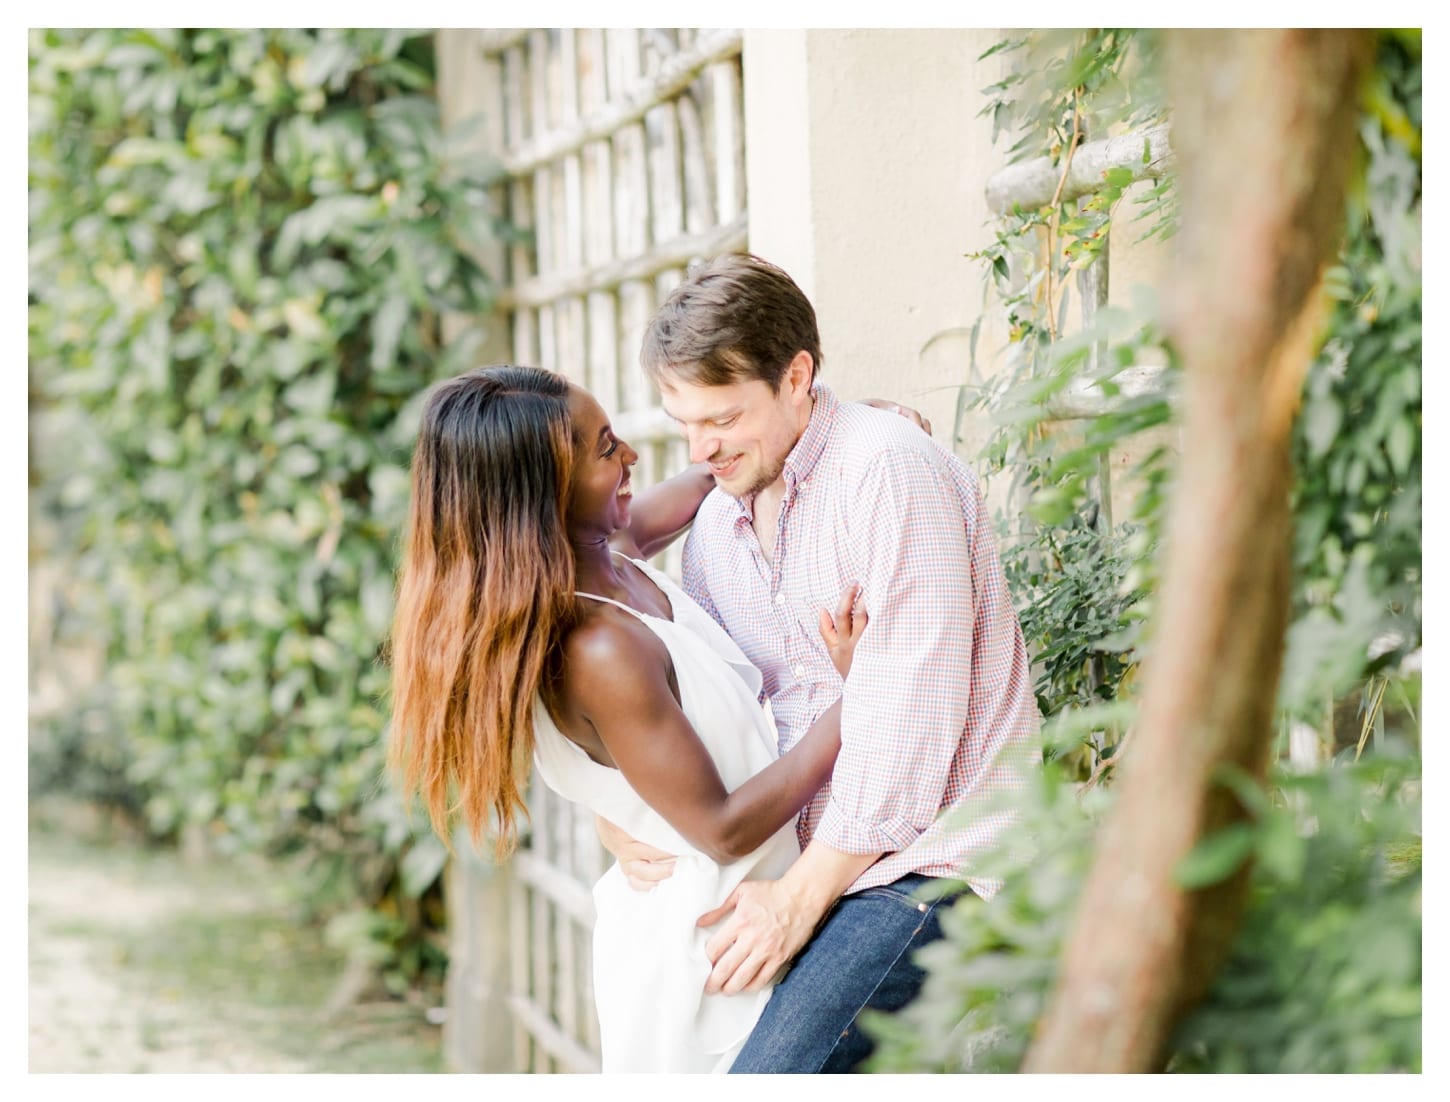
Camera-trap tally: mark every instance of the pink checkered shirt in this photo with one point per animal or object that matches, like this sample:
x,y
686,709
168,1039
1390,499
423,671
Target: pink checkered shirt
x,y
938,709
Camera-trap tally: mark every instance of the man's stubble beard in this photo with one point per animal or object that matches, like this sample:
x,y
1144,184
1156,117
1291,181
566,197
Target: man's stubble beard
x,y
761,481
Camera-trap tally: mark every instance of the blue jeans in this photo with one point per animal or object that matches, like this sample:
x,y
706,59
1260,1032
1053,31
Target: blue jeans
x,y
859,958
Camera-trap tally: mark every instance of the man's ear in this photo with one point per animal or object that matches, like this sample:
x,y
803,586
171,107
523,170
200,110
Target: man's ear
x,y
798,375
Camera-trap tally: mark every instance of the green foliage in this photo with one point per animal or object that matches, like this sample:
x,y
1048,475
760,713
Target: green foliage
x,y
1323,977
241,245
1325,972
1357,443
1080,619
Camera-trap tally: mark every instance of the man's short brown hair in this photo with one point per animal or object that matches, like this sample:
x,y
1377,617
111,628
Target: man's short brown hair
x,y
737,318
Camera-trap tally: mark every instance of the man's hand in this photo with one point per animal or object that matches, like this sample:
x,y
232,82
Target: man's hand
x,y
643,865
768,928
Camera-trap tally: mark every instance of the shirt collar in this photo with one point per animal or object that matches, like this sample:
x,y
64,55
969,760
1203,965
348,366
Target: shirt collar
x,y
808,449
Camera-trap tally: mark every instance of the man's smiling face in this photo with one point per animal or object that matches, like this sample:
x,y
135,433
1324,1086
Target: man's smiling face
x,y
743,430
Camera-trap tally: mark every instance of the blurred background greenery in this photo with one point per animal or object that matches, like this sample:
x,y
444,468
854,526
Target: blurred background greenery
x,y
242,243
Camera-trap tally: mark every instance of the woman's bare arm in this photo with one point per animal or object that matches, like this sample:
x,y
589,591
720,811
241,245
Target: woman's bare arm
x,y
617,682
628,704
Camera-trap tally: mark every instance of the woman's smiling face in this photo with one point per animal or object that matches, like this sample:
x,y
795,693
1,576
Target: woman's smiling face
x,y
600,497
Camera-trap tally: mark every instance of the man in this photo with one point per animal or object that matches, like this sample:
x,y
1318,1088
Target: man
x,y
811,495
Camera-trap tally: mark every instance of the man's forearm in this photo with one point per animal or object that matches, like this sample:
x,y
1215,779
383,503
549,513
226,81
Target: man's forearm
x,y
820,874
773,919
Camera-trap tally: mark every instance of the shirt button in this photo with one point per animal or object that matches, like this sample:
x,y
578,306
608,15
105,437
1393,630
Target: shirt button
x,y
780,596
800,670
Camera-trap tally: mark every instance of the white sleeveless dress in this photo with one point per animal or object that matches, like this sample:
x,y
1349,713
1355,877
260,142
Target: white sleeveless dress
x,y
649,958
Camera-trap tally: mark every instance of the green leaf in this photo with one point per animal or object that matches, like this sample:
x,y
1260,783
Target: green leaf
x,y
1400,444
1119,177
1322,418
1216,857
1281,853
422,865
387,330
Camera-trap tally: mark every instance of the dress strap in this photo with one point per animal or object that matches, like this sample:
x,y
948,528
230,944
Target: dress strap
x,y
610,601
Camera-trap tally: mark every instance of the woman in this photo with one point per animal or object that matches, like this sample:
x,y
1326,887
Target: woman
x,y
528,626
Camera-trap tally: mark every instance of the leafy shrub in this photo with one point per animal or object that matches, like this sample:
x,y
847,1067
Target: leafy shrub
x,y
1325,972
241,245
1325,975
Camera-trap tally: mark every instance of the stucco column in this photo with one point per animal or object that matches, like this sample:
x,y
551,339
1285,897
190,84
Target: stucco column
x,y
866,167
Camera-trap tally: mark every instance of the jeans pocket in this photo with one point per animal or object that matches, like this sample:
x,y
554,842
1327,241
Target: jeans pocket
x,y
901,896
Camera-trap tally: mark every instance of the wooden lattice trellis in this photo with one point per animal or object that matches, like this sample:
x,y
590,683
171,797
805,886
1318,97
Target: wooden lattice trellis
x,y
624,161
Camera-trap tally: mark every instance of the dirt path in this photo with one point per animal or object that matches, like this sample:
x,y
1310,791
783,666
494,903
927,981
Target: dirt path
x,y
143,962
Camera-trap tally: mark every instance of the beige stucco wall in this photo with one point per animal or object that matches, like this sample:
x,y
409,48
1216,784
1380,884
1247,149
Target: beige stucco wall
x,y
865,166
866,172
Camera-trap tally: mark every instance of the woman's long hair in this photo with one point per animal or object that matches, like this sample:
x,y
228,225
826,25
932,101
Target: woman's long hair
x,y
485,594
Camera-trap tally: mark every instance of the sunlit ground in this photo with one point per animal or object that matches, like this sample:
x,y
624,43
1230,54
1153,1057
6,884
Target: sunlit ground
x,y
143,961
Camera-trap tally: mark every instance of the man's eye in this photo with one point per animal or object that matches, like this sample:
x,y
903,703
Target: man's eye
x,y
613,447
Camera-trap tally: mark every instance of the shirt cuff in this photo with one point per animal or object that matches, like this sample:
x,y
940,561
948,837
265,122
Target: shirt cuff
x,y
848,835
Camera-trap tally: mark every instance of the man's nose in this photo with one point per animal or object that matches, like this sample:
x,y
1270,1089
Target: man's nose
x,y
702,445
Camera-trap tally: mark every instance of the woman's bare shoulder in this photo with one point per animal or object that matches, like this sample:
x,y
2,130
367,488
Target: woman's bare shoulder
x,y
609,651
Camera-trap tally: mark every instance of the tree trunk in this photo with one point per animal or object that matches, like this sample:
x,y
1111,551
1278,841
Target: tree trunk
x,y
1264,129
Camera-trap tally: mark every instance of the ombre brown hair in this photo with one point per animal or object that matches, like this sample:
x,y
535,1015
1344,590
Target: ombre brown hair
x,y
736,318
485,594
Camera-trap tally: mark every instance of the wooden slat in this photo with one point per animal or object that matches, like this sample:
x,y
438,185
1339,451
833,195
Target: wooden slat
x,y
548,339
535,870
1084,399
621,55
674,74
574,255
516,93
586,987
497,40
636,304
568,80
541,978
525,334
1033,183
522,255
568,357
699,187
644,425
518,935
672,254
515,97
603,375
589,47
594,157
568,1052
544,226
666,182
727,117
631,191
598,204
